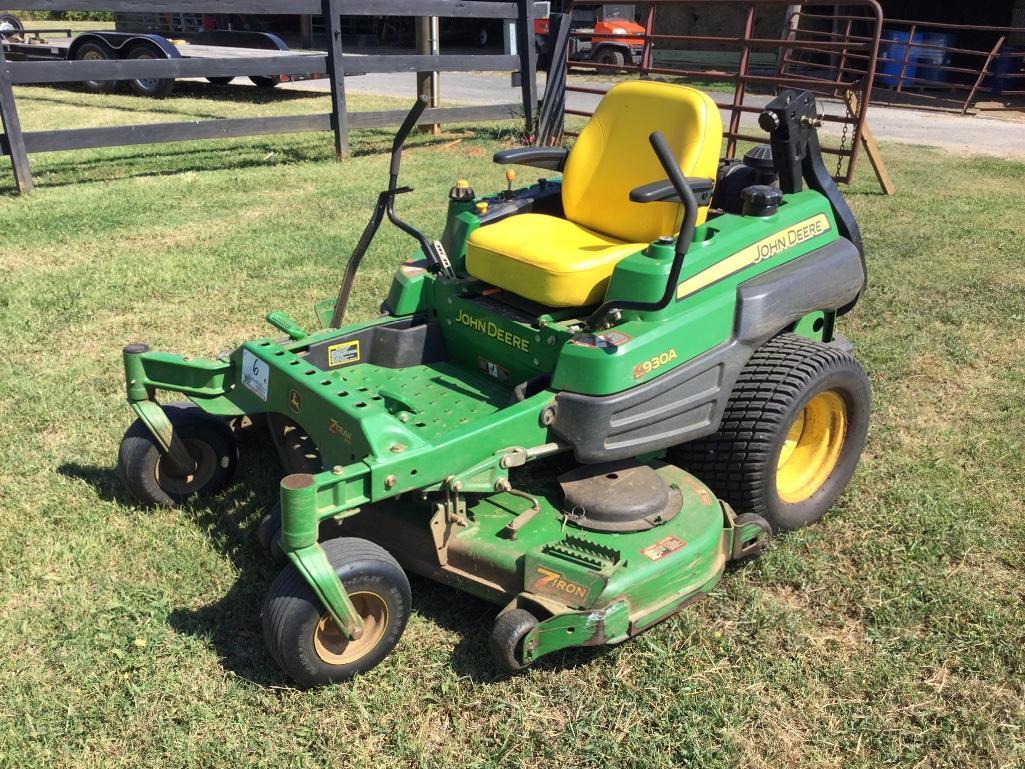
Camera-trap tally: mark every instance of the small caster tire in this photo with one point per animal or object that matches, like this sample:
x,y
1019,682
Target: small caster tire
x,y
269,535
506,641
262,81
219,80
303,638
145,473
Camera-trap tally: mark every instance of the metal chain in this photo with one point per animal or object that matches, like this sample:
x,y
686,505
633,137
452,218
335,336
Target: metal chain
x,y
843,146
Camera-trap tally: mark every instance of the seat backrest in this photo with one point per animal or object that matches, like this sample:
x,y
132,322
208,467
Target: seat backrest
x,y
612,156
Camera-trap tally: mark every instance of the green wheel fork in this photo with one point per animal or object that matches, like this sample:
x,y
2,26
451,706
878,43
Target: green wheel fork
x,y
300,525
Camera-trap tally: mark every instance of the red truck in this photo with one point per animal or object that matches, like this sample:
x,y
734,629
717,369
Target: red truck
x,y
615,37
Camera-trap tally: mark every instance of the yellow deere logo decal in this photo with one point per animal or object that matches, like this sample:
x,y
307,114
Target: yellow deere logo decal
x,y
553,581
755,253
295,401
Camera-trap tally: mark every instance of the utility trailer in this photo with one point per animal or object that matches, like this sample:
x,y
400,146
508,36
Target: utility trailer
x,y
63,45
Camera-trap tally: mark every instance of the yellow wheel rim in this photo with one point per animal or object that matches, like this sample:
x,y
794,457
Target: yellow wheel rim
x,y
331,644
812,447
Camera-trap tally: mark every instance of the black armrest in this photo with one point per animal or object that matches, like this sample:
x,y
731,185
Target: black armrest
x,y
663,190
549,158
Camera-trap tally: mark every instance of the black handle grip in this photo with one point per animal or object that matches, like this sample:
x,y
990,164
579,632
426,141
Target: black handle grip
x,y
683,241
686,194
400,138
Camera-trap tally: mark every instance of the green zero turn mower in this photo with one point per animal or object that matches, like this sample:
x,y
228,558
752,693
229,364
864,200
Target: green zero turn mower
x,y
523,420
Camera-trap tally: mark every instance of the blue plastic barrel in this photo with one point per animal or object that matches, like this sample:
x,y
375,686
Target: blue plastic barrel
x,y
1007,63
929,60
893,48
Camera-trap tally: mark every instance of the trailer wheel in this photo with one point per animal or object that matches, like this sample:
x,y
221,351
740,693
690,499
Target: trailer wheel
x,y
261,81
156,88
11,23
303,638
96,52
219,80
207,439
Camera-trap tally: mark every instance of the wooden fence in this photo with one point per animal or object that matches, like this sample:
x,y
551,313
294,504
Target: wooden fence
x,y
18,144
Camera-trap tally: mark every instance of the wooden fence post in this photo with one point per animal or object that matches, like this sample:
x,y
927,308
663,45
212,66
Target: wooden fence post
x,y
336,72
528,63
12,130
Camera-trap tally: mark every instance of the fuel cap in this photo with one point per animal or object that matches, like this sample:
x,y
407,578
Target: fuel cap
x,y
462,191
761,200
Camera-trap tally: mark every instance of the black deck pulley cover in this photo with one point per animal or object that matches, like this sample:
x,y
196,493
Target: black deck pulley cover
x,y
618,496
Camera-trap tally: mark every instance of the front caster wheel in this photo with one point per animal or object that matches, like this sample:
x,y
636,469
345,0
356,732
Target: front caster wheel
x,y
304,639
506,641
268,533
152,480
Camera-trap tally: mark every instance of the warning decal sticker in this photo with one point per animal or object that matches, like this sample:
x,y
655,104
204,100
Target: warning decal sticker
x,y
663,547
343,353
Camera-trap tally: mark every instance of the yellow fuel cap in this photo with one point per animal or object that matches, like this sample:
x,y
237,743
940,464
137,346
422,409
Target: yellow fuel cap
x,y
461,191
482,207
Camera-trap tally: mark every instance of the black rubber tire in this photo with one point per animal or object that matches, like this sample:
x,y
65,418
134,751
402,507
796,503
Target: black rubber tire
x,y
261,81
739,461
139,457
96,52
219,80
269,535
11,22
611,56
153,88
506,641
292,612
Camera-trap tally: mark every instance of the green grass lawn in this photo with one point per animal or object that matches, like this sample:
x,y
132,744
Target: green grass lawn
x,y
892,633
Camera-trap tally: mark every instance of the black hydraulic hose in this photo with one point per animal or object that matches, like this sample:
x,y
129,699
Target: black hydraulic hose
x,y
683,241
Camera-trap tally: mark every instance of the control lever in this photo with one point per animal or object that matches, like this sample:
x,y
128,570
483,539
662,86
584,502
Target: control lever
x,y
385,206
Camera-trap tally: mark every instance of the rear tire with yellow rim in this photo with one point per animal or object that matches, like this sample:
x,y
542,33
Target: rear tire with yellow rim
x,y
304,639
791,435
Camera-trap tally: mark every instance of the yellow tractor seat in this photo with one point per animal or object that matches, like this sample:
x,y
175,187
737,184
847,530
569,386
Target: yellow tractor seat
x,y
550,260
567,262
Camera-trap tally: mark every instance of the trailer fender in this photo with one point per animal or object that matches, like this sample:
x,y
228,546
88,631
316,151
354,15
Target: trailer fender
x,y
122,41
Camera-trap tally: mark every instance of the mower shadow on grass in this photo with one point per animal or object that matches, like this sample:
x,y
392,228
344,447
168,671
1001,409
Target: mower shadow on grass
x,y
231,624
